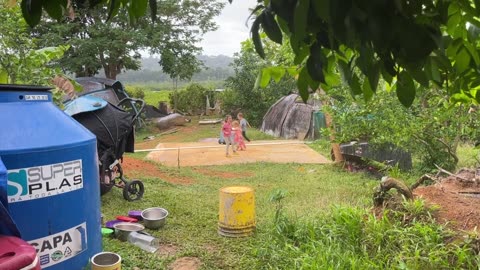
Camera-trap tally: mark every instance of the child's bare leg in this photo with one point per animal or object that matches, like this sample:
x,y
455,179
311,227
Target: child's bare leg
x,y
227,144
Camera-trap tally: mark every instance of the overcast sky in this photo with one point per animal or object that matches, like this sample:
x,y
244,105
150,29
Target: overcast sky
x,y
232,30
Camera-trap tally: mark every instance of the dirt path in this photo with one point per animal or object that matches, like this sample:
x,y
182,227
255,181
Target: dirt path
x,y
276,152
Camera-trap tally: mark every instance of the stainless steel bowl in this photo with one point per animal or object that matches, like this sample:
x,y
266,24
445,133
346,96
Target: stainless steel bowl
x,y
123,229
154,218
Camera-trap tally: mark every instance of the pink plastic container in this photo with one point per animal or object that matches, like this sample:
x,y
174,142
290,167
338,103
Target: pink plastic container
x,y
17,254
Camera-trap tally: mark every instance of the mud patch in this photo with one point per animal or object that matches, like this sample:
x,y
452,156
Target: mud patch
x,y
167,250
225,175
186,263
137,168
459,210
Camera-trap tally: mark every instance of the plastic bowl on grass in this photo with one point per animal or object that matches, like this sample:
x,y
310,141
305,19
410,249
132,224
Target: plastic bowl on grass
x,y
135,214
154,218
107,231
111,223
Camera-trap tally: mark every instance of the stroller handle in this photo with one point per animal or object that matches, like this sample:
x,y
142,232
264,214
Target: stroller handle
x,y
137,104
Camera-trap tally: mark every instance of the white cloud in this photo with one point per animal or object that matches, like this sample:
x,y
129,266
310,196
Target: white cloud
x,y
232,29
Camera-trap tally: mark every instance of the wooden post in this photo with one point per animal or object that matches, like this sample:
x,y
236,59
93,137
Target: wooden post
x,y
337,154
178,158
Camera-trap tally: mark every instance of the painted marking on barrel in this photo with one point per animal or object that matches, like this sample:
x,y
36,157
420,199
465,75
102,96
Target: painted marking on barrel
x,y
36,97
49,249
44,181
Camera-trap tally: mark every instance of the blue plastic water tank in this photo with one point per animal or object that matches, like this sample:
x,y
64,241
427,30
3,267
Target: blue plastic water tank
x,y
53,190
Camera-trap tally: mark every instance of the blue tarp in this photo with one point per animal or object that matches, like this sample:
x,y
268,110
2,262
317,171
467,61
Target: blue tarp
x,y
84,104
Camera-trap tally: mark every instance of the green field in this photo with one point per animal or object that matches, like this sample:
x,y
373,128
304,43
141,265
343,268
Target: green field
x,y
154,97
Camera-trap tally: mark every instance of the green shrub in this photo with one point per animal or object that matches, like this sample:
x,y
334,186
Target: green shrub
x,y
431,128
191,100
135,92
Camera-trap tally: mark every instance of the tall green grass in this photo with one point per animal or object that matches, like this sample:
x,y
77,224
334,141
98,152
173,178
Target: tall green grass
x,y
354,238
468,156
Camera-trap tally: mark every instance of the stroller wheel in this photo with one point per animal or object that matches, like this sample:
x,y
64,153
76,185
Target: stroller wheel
x,y
105,188
133,190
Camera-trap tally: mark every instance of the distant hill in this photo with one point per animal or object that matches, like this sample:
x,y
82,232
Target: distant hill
x,y
218,61
217,68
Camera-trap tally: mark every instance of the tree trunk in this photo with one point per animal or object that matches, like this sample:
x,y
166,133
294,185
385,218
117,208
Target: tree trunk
x,y
175,84
337,154
110,72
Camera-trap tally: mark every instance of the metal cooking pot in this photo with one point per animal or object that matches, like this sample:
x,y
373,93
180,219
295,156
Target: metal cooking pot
x,y
123,229
155,217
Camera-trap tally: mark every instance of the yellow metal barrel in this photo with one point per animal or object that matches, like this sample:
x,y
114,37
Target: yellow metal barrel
x,y
236,216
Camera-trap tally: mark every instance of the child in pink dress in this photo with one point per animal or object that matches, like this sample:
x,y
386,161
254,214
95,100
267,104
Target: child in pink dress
x,y
238,139
227,134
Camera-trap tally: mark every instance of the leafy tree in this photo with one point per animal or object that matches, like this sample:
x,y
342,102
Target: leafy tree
x,y
402,41
22,60
57,9
431,128
114,44
243,92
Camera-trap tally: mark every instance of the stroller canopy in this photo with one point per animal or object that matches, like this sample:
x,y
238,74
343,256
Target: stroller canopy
x,y
112,126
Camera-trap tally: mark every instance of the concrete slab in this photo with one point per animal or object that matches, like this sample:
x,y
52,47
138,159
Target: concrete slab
x,y
211,153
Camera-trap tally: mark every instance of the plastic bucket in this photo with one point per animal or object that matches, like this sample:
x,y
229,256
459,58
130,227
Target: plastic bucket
x,y
106,261
236,217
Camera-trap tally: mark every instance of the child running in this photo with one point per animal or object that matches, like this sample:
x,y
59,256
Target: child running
x,y
238,138
243,124
227,134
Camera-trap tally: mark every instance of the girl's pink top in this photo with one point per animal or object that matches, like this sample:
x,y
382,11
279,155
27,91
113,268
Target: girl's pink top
x,y
227,129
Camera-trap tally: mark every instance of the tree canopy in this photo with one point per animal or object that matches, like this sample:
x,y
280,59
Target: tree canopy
x,y
410,44
99,40
22,60
243,93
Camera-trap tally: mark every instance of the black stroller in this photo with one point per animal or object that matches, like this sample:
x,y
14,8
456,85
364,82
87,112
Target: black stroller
x,y
114,127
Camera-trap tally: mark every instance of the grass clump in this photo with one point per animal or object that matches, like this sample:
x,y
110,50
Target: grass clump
x,y
354,238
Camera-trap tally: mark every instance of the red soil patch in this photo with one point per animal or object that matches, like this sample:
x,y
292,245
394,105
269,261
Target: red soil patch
x,y
458,201
136,168
226,175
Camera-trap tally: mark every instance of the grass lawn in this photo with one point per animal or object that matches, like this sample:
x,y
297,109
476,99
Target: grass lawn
x,y
192,223
315,234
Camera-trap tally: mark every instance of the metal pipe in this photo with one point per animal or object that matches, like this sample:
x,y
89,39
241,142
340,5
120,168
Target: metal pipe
x,y
213,146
